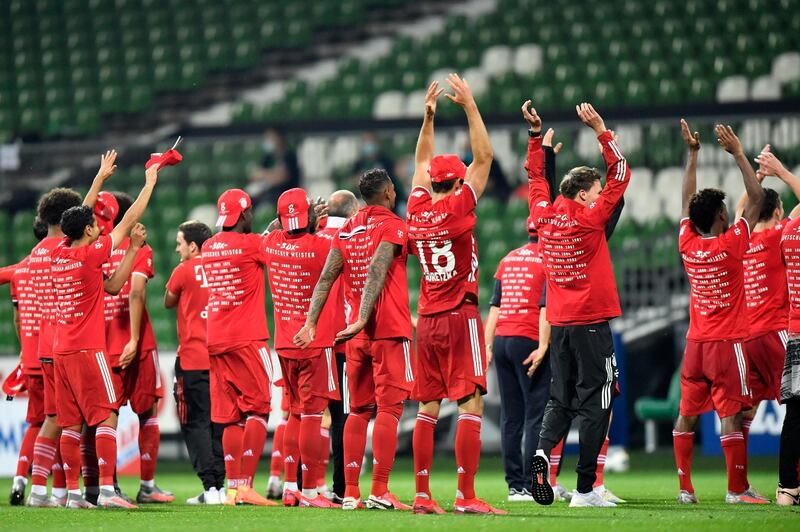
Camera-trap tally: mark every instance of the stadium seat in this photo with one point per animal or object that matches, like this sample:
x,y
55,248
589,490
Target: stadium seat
x,y
732,89
652,410
765,88
786,67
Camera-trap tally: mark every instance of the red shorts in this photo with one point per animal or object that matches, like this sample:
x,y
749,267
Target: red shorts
x,y
35,386
140,382
379,371
85,391
49,376
310,383
240,383
714,377
765,356
451,355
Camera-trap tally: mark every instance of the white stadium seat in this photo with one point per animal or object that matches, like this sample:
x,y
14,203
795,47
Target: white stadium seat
x,y
732,89
497,60
786,67
765,88
413,106
528,59
389,104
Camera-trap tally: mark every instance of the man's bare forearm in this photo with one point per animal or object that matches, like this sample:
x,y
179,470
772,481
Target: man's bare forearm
x,y
331,271
376,276
689,180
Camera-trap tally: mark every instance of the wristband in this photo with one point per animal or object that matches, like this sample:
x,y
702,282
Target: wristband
x,y
533,134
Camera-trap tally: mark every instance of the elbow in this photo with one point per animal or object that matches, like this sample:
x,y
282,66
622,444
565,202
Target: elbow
x,y
485,155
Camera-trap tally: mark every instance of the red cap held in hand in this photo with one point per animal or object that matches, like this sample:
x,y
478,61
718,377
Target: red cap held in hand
x,y
230,205
168,158
15,382
293,209
532,228
447,167
106,209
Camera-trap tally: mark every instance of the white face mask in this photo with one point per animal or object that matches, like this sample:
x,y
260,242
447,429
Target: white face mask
x,y
268,146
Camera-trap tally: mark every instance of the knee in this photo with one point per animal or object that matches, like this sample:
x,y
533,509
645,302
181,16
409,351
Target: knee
x,y
395,410
430,408
364,412
472,404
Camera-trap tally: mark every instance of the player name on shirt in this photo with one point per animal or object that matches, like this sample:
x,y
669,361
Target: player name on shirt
x,y
24,296
522,277
790,247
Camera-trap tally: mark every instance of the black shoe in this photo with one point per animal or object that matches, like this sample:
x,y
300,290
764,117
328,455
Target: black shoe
x,y
540,482
17,497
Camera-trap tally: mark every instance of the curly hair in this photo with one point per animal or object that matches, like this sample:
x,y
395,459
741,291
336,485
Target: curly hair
x,y
372,183
577,179
75,219
771,202
55,202
704,206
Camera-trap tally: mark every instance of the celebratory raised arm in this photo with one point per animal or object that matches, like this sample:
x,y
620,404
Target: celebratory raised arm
x,y
482,155
114,284
755,192
689,186
136,210
769,165
107,167
425,149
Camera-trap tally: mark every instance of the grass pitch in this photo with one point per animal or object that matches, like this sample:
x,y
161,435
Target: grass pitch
x,y
650,488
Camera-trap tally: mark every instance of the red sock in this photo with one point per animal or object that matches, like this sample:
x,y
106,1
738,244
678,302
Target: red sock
x,y
291,448
745,435
255,434
44,454
735,457
25,458
601,464
276,465
105,443
468,453
683,443
384,448
310,448
59,478
70,449
355,441
149,440
325,453
89,470
232,447
422,444
555,461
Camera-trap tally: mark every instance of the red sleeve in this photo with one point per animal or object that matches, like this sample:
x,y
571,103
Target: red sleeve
x,y
538,190
686,234
618,175
14,291
100,251
6,273
736,239
176,280
261,255
499,273
143,263
418,198
394,231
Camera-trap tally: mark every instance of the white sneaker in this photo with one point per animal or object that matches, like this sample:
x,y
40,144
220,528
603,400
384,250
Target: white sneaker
x,y
685,497
351,503
586,500
77,502
606,494
560,493
214,496
522,495
197,499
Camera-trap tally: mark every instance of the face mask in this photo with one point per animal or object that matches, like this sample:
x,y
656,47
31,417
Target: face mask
x,y
369,149
268,146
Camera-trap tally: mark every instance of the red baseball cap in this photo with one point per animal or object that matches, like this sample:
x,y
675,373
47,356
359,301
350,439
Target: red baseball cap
x,y
446,167
230,205
106,209
293,209
14,382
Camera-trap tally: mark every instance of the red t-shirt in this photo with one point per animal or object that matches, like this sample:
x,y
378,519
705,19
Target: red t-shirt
x,y
714,265
522,278
294,265
337,290
24,298
6,273
357,241
765,283
440,235
78,281
234,267
117,307
188,282
580,279
39,268
790,249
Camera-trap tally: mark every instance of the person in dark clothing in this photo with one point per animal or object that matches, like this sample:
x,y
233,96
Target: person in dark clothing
x,y
373,157
278,172
497,187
